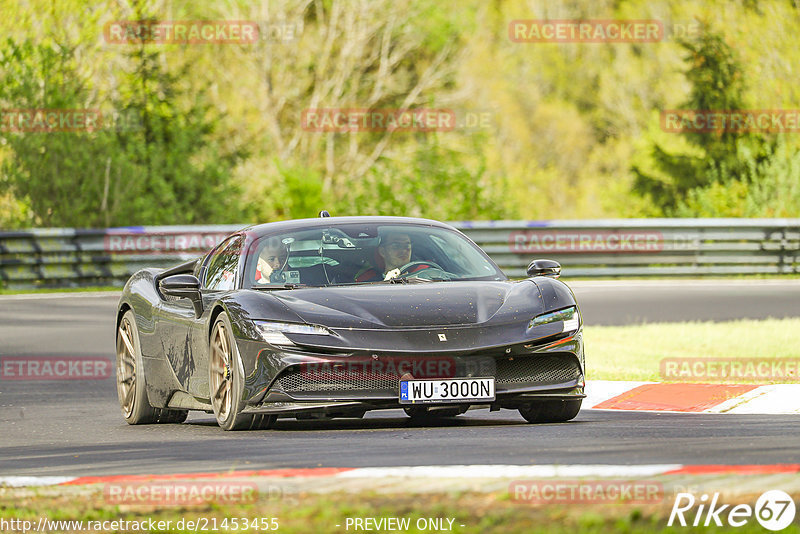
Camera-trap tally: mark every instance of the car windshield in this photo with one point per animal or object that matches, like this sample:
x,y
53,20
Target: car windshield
x,y
351,254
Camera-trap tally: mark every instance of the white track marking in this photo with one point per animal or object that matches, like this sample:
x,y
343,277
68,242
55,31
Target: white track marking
x,y
509,471
774,399
437,472
18,482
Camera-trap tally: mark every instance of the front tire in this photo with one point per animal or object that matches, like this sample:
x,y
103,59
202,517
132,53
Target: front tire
x,y
226,381
131,382
551,411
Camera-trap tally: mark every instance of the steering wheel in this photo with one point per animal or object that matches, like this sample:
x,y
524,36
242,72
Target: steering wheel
x,y
405,269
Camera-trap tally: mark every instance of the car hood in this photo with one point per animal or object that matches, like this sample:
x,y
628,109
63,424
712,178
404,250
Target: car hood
x,y
414,305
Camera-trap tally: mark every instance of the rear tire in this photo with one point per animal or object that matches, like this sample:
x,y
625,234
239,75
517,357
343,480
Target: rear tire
x,y
226,381
131,382
551,411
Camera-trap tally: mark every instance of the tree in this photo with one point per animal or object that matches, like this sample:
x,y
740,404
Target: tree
x,y
161,167
717,83
59,173
179,174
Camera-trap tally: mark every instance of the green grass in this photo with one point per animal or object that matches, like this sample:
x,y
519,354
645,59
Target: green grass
x,y
303,513
635,352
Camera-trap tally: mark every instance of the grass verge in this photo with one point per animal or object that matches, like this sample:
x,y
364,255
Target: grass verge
x,y
635,352
45,291
303,513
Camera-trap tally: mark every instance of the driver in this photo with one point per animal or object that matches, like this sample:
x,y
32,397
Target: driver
x,y
271,262
395,250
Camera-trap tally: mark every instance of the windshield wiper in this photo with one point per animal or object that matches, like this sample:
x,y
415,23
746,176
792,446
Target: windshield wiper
x,y
420,279
287,285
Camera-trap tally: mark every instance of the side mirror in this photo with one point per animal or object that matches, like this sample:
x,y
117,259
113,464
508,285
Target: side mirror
x,y
185,286
550,268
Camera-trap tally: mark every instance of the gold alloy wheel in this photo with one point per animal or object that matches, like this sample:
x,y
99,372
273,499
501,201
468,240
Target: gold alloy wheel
x,y
220,381
126,367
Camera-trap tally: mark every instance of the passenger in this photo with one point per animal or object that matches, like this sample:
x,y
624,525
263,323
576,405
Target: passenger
x,y
271,262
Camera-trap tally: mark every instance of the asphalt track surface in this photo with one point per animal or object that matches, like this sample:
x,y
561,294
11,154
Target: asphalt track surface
x,y
75,427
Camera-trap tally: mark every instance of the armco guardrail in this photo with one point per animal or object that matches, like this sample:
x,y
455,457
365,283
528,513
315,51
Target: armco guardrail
x,y
61,257
644,247
614,247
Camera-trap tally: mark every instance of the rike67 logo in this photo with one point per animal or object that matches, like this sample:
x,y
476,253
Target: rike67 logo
x,y
774,510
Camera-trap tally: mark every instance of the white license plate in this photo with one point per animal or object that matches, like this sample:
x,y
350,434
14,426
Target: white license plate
x,y
446,390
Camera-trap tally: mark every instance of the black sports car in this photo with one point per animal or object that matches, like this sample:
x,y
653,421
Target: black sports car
x,y
331,317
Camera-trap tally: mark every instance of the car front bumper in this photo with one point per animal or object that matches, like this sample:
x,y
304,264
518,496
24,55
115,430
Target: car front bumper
x,y
286,382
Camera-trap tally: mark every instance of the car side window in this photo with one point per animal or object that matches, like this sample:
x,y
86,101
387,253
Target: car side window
x,y
224,265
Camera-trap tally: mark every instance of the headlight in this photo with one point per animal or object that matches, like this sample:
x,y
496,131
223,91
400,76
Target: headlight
x,y
568,315
273,332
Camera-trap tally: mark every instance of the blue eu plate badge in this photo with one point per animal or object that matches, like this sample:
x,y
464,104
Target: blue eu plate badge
x,y
404,390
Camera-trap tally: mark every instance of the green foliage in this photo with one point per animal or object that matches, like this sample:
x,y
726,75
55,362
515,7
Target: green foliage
x,y
159,168
770,187
715,74
212,133
56,172
774,183
433,182
180,175
302,193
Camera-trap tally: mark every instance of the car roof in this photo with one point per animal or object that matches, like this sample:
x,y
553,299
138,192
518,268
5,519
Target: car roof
x,y
321,222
